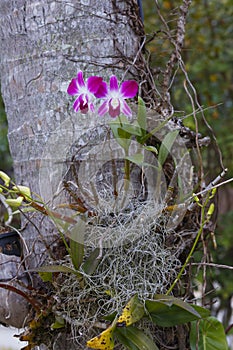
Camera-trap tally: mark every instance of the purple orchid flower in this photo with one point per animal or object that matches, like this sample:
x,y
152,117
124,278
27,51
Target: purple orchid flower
x,y
115,96
85,93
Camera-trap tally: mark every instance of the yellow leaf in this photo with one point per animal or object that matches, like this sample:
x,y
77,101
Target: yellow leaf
x,y
14,202
104,341
24,190
133,312
5,178
210,210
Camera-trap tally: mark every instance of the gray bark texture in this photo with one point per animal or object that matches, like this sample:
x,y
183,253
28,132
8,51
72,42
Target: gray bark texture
x,y
43,45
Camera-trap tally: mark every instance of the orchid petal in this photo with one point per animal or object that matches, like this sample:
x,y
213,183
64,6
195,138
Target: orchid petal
x,y
102,90
80,80
84,109
93,83
83,99
113,83
126,109
73,88
92,108
76,105
114,112
129,88
103,108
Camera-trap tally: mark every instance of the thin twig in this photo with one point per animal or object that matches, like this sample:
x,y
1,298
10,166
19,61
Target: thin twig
x,y
219,266
36,305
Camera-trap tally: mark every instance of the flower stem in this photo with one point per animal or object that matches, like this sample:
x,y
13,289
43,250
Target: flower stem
x,y
127,174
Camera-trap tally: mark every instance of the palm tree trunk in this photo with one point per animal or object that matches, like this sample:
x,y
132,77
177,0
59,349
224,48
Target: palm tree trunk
x,y
43,45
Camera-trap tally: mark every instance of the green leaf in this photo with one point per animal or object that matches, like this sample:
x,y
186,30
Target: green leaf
x,y
136,158
155,130
202,311
62,225
46,276
110,317
76,234
134,339
123,134
151,149
141,116
167,311
210,335
59,323
131,129
123,131
166,146
132,312
54,268
120,136
90,265
176,301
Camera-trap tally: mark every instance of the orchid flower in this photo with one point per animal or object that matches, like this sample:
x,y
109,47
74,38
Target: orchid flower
x,y
85,93
115,96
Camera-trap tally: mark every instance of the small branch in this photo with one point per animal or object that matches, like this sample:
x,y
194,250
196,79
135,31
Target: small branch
x,y
201,110
178,43
227,330
201,170
219,266
210,187
36,305
51,213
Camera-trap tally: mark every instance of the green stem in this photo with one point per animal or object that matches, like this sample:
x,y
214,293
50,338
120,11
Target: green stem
x,y
127,174
126,178
191,251
127,170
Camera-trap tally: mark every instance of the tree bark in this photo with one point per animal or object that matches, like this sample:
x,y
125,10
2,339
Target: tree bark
x,y
43,45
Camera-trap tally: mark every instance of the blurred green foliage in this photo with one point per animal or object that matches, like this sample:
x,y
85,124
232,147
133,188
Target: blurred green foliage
x,y
223,255
208,57
5,158
219,281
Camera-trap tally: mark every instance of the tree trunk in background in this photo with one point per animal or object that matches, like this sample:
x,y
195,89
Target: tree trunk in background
x,y
43,45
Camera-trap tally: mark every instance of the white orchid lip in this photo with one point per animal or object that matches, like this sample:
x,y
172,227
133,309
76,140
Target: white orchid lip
x,y
115,102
